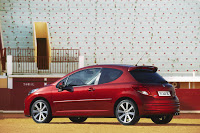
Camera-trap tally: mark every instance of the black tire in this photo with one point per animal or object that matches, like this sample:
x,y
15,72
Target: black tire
x,y
130,110
78,119
163,119
41,112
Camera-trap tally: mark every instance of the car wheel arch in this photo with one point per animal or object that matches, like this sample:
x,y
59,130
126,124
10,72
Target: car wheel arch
x,y
39,98
123,98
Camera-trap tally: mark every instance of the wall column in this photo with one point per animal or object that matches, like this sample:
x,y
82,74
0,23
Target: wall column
x,y
81,61
9,71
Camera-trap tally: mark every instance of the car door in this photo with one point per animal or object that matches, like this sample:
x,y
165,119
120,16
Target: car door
x,y
80,100
106,90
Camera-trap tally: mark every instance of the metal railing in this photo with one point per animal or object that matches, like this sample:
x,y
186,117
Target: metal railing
x,y
36,64
60,61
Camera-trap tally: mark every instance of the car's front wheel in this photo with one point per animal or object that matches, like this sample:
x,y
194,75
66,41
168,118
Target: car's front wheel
x,y
163,119
78,119
41,112
127,112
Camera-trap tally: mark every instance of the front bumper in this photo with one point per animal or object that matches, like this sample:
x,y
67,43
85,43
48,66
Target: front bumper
x,y
27,107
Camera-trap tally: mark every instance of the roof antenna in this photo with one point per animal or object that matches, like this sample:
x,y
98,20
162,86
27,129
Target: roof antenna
x,y
141,58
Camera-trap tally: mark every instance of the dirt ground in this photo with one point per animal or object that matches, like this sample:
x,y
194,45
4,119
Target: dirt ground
x,y
14,123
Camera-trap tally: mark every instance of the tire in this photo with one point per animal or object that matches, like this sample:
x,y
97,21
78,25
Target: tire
x,y
163,119
41,112
127,112
78,119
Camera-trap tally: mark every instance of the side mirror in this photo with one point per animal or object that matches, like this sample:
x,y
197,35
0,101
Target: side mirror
x,y
69,88
62,87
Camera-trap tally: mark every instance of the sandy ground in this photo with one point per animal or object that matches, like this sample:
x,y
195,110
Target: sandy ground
x,y
98,125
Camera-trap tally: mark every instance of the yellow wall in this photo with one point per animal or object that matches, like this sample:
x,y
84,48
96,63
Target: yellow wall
x,y
40,30
193,85
3,83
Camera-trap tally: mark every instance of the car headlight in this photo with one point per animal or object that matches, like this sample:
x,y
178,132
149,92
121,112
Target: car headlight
x,y
32,91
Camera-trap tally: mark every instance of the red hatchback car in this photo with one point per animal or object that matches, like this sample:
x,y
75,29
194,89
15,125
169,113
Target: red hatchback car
x,y
123,91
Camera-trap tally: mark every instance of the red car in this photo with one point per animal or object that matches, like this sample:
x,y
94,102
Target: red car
x,y
123,91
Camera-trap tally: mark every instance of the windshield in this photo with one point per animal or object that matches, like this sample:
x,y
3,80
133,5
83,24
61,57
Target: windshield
x,y
147,76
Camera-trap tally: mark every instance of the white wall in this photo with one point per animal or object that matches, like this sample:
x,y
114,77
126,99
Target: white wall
x,y
112,31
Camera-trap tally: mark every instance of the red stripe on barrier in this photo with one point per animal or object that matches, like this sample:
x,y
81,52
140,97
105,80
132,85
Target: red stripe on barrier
x,y
189,98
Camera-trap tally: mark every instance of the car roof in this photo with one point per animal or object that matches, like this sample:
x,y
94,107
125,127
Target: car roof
x,y
122,66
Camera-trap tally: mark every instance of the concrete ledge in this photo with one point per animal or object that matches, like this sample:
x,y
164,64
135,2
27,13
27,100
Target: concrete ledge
x,y
169,79
190,111
3,77
182,79
37,76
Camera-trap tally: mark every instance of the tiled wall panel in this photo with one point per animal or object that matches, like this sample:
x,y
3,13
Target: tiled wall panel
x,y
112,31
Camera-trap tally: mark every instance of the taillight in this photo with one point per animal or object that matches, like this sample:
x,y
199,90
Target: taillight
x,y
143,90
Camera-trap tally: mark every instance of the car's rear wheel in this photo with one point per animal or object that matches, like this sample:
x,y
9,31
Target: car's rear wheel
x,y
41,112
78,119
163,119
127,112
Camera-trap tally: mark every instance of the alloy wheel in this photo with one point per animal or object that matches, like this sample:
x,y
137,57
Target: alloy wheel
x,y
41,112
127,113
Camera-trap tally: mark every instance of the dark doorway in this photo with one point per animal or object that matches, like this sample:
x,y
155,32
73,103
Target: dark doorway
x,y
42,54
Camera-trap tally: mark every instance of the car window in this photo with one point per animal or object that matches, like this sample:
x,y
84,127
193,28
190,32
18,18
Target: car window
x,y
109,74
146,76
84,77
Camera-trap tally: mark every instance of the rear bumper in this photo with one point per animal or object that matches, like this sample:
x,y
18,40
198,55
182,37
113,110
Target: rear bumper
x,y
162,106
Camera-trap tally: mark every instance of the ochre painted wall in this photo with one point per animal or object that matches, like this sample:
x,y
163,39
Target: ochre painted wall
x,y
3,83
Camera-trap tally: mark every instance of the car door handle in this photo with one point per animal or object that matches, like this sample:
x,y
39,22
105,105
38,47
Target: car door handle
x,y
91,89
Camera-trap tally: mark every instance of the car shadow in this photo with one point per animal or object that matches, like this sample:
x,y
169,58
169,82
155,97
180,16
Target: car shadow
x,y
117,123
92,123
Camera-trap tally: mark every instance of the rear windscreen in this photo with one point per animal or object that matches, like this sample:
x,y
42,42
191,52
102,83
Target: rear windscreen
x,y
147,76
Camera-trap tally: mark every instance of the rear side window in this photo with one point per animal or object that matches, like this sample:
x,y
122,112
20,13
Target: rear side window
x,y
147,76
109,74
